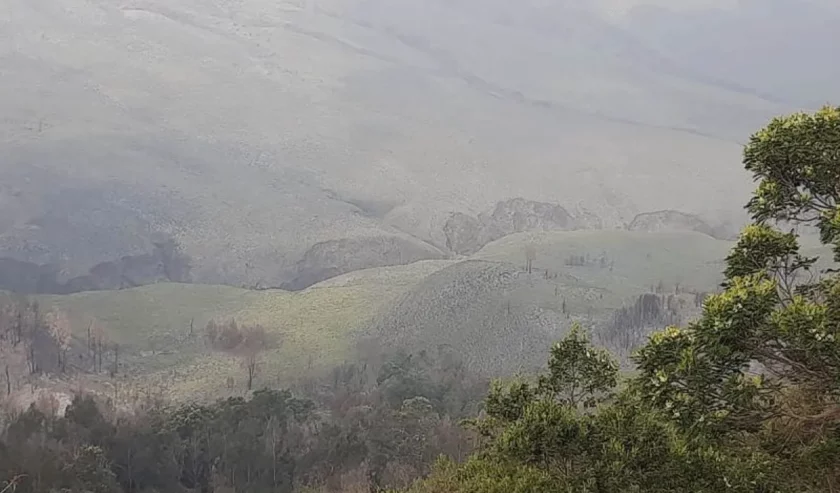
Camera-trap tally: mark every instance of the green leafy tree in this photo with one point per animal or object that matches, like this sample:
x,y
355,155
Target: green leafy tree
x,y
764,358
579,376
578,373
795,161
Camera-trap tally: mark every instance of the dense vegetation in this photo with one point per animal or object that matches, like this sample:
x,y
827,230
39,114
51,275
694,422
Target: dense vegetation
x,y
745,399
379,422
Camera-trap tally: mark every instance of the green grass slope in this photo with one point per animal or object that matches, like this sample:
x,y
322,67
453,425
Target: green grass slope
x,y
632,261
503,319
313,329
499,318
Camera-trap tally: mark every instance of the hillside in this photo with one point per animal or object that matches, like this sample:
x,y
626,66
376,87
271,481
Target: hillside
x,y
498,317
624,262
260,134
746,31
160,328
488,307
502,319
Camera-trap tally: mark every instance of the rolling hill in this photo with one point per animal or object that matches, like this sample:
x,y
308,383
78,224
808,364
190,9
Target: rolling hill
x,y
488,307
499,317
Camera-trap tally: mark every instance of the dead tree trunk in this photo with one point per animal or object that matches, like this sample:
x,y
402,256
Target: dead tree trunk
x,y
116,359
252,368
30,357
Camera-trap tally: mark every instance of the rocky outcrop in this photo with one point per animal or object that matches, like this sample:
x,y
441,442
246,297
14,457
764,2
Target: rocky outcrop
x,y
467,234
520,215
464,233
335,257
586,219
670,220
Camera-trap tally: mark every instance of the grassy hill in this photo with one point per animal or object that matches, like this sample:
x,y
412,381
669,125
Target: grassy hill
x,y
503,319
314,329
622,262
488,307
498,316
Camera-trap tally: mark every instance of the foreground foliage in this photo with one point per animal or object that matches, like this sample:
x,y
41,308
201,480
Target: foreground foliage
x,y
746,399
364,427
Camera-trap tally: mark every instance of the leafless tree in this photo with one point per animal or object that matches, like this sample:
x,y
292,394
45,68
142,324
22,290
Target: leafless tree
x,y
60,329
116,367
253,342
530,256
97,342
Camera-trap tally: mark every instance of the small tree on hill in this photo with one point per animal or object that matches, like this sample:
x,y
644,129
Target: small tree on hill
x,y
247,342
530,257
579,376
254,341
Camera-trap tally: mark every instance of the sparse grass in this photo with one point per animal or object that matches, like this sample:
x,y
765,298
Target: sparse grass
x,y
639,260
158,313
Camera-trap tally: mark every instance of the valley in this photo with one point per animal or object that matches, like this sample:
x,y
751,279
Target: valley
x,y
419,246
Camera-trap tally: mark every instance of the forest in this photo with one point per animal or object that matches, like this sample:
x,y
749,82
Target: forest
x,y
746,398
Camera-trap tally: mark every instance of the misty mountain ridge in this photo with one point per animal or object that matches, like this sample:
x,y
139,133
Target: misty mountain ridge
x,y
273,140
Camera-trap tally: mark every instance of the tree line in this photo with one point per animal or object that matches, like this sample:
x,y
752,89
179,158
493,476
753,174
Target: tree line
x,y
380,422
34,341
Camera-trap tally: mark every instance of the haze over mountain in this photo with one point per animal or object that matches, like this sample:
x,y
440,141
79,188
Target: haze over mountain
x,y
275,140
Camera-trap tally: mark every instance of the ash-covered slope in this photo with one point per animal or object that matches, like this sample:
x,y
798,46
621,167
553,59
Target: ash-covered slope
x,y
763,46
253,131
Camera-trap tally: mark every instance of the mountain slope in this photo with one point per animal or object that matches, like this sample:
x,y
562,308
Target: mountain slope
x,y
255,130
777,48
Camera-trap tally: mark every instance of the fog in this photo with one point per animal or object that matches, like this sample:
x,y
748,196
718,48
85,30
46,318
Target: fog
x,y
281,142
